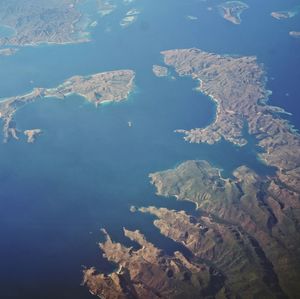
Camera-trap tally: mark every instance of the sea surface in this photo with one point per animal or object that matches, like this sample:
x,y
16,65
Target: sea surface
x,y
88,167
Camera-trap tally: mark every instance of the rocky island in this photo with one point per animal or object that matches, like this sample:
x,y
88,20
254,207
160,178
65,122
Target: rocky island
x,y
130,17
32,134
106,7
40,21
160,71
286,14
232,10
98,88
8,51
295,34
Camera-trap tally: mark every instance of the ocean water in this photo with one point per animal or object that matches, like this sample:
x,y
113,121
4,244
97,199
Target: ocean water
x,y
89,167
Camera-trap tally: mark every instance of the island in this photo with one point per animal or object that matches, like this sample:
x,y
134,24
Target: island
x,y
36,22
106,7
130,17
113,86
32,134
220,260
232,10
295,34
160,71
191,18
8,51
286,14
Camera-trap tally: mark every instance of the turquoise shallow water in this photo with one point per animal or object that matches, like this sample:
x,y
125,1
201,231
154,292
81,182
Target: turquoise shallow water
x,y
89,167
6,31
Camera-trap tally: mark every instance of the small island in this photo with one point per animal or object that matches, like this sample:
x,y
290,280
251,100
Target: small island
x,y
232,10
295,34
160,71
106,7
130,17
8,51
32,134
286,14
113,86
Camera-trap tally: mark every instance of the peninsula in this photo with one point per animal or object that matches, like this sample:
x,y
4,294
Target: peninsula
x,y
98,88
262,210
147,272
238,87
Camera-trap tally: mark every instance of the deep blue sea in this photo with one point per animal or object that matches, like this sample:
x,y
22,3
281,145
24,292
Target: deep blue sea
x,y
89,167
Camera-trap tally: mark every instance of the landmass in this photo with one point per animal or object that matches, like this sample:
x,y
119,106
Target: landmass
x,y
160,71
32,134
260,209
8,51
42,21
147,272
98,88
232,10
295,34
286,14
222,256
246,227
238,87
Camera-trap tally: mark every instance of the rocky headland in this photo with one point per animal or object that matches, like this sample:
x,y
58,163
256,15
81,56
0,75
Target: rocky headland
x,y
261,209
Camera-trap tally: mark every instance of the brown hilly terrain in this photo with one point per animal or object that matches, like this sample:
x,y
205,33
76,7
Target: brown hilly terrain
x,y
97,88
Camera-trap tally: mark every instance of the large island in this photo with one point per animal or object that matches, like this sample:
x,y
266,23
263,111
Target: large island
x,y
98,88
